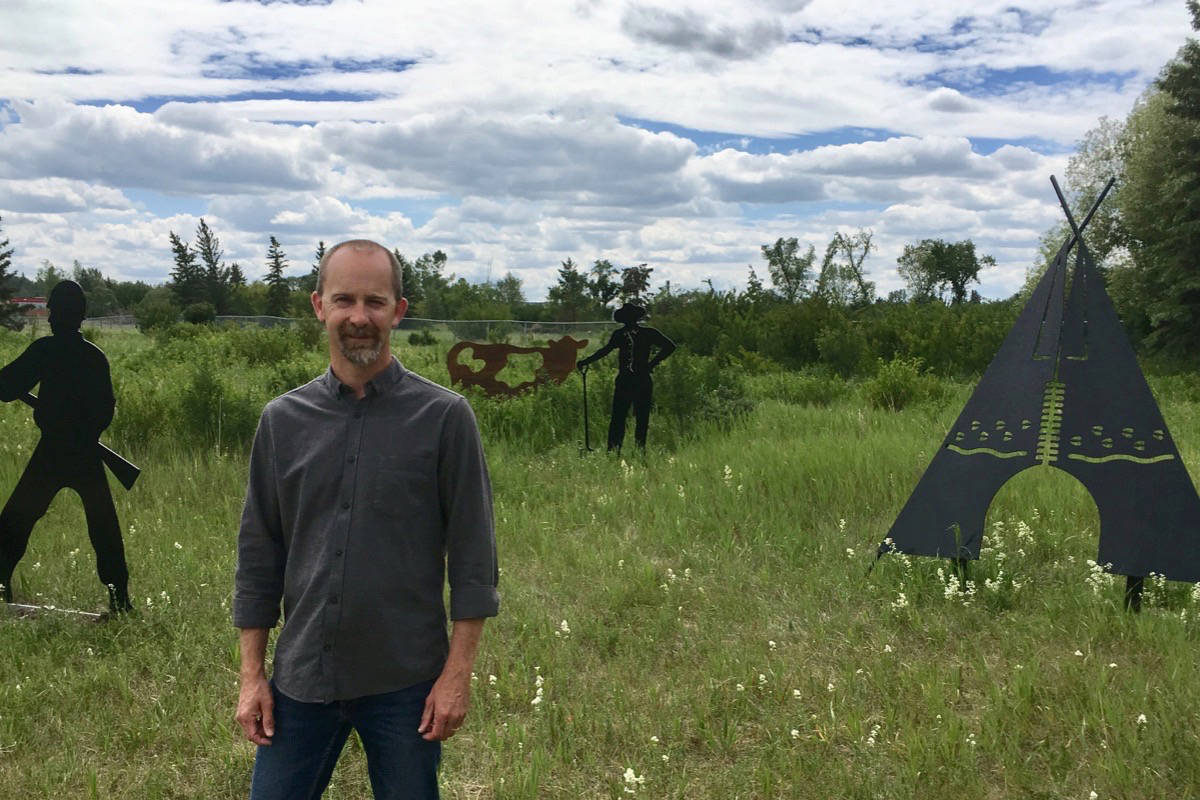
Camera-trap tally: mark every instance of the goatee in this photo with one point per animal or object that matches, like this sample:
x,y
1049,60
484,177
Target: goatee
x,y
360,354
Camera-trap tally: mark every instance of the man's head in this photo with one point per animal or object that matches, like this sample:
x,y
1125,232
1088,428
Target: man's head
x,y
363,245
358,299
67,305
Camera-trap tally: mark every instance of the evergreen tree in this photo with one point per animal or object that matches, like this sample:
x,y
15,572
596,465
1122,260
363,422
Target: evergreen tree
x,y
277,285
216,275
188,285
10,312
569,296
236,276
308,283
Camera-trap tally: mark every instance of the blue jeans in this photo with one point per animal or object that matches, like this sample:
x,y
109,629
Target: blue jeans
x,y
309,738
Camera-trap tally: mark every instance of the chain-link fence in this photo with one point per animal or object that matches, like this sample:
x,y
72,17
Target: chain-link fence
x,y
503,330
478,330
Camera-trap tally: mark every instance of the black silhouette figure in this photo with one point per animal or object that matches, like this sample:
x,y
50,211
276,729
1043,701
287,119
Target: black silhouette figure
x,y
634,386
1064,390
74,406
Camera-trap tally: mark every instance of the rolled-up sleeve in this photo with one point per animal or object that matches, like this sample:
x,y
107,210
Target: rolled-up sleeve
x,y
465,494
258,585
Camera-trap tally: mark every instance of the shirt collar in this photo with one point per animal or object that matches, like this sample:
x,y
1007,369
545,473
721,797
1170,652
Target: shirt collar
x,y
382,383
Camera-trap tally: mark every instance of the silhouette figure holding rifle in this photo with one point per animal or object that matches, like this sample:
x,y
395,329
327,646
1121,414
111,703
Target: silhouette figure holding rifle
x,y
634,386
74,406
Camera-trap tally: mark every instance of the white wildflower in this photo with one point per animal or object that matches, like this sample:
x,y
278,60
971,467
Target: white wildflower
x,y
632,780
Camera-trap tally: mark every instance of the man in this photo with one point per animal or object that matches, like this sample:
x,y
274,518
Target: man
x,y
366,486
75,404
633,386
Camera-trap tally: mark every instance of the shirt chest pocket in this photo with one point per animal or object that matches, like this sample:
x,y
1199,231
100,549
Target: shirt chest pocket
x,y
404,485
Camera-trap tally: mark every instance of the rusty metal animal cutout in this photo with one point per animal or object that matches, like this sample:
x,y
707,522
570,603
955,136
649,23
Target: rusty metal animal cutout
x,y
558,360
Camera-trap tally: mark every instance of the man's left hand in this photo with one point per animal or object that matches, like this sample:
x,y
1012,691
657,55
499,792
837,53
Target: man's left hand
x,y
445,707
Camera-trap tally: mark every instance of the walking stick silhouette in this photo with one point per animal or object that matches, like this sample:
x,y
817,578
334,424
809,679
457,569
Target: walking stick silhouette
x,y
587,442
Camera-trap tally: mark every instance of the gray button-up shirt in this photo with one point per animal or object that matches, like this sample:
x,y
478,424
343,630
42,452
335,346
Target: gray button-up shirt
x,y
354,511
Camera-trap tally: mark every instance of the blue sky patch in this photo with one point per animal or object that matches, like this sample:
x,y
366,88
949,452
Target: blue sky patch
x,y
714,141
166,205
987,82
258,66
149,105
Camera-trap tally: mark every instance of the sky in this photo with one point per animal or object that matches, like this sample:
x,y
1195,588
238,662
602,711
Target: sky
x,y
513,134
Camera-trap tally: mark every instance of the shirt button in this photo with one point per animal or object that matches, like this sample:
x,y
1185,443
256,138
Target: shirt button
x,y
337,552
333,600
357,414
345,506
350,460
327,648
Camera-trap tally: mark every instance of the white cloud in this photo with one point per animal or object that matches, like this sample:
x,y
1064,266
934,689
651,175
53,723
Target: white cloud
x,y
505,120
59,195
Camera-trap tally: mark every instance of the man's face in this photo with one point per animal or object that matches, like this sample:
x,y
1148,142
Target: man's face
x,y
358,305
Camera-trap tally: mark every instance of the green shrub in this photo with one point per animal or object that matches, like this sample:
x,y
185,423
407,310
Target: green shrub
x,y
691,389
901,382
799,388
843,348
200,314
421,338
254,345
310,332
156,310
210,414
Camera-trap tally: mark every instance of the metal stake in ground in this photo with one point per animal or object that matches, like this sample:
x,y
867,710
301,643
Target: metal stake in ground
x,y
587,441
23,610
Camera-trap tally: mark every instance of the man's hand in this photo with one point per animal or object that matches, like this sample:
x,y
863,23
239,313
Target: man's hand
x,y
256,710
256,705
445,707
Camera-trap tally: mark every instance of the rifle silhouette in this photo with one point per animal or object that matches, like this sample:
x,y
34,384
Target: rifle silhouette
x,y
125,471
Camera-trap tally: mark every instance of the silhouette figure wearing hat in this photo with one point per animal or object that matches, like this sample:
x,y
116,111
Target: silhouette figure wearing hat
x,y
75,404
634,386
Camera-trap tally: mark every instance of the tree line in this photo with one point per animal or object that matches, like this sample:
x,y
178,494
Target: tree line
x,y
1146,235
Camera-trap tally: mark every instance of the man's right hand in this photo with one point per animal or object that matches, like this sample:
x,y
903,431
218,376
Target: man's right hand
x,y
256,710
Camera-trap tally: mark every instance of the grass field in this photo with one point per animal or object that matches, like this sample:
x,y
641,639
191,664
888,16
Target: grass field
x,y
699,624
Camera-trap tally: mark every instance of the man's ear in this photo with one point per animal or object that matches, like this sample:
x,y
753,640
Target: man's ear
x,y
318,306
401,309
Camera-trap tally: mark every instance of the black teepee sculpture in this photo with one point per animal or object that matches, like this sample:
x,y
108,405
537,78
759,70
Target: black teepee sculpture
x,y
1064,390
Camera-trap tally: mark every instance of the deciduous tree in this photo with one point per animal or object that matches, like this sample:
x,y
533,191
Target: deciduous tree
x,y
790,271
936,268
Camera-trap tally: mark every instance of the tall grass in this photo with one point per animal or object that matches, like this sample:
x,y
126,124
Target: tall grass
x,y
700,620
